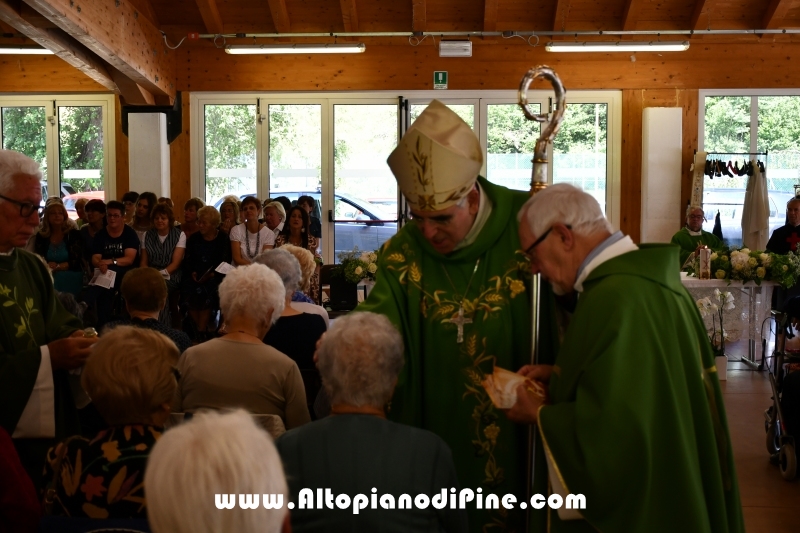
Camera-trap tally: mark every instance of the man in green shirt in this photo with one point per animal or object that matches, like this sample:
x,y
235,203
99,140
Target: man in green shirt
x,y
692,235
455,284
635,420
39,340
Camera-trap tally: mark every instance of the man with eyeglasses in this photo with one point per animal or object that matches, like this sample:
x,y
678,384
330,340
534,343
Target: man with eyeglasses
x,y
692,236
39,340
634,418
454,281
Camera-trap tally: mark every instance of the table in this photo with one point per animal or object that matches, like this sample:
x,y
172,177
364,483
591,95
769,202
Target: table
x,y
753,304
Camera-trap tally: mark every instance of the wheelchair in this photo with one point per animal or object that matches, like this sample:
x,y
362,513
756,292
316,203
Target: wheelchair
x,y
780,444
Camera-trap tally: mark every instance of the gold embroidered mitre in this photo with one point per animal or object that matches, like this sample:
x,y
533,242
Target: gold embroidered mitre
x,y
438,159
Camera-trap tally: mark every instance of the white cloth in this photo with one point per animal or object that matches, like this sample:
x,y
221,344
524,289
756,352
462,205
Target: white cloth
x,y
181,240
264,237
755,212
313,309
38,419
622,246
698,177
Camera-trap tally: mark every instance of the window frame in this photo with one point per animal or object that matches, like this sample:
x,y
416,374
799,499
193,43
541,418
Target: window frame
x,y
51,103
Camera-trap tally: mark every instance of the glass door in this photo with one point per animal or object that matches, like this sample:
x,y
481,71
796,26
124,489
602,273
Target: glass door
x,y
230,151
364,204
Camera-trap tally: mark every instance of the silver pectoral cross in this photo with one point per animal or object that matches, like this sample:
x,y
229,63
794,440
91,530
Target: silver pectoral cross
x,y
460,321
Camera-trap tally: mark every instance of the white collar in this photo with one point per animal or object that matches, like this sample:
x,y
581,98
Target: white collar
x,y
693,233
620,247
484,210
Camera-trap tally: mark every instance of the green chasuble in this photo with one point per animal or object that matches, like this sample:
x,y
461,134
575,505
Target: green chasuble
x,y
439,388
637,422
31,316
688,243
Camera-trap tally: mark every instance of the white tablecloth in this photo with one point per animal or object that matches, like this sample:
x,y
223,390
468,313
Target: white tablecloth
x,y
753,304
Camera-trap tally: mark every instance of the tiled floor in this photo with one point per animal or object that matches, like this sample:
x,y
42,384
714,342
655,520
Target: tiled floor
x,y
771,504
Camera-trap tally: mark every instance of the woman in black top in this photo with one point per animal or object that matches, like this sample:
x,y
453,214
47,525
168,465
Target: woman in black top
x,y
205,250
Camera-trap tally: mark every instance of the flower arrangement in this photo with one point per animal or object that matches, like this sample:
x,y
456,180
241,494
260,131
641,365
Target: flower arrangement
x,y
743,264
356,265
724,302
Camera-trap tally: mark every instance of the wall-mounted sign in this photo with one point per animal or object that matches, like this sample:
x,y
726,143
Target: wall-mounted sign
x,y
440,79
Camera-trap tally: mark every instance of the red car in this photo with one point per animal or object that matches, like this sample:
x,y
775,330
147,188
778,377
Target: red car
x,y
69,201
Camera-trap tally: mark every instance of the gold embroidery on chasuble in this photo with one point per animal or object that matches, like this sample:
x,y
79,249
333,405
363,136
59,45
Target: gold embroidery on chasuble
x,y
439,307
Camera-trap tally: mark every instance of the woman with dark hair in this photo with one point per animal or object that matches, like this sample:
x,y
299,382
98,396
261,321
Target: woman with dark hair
x,y
129,201
190,209
142,221
251,237
163,249
62,247
95,221
297,231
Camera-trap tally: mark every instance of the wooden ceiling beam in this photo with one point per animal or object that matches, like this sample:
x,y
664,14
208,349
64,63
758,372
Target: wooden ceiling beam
x,y
349,15
63,47
560,15
631,16
145,8
115,32
280,16
776,11
131,92
490,15
210,14
419,15
700,15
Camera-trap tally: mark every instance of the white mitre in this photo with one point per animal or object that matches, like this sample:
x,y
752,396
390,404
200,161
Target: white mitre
x,y
438,159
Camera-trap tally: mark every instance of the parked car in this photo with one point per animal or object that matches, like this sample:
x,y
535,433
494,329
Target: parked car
x,y
69,201
357,222
730,202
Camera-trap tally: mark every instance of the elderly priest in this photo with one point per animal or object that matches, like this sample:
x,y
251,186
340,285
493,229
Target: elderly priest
x,y
455,283
691,236
39,340
635,420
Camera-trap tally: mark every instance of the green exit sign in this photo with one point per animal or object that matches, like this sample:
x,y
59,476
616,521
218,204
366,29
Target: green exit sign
x,y
440,79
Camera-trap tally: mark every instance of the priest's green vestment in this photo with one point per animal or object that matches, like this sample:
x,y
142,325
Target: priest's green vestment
x,y
688,242
31,316
637,422
439,389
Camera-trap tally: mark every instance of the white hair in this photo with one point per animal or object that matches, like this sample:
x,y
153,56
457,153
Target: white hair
x,y
359,359
252,290
691,208
278,207
564,204
214,453
13,163
285,264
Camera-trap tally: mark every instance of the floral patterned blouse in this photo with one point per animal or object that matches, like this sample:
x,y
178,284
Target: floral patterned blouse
x,y
103,477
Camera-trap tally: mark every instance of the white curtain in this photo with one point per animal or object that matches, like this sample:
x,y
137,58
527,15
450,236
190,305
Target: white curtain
x,y
755,212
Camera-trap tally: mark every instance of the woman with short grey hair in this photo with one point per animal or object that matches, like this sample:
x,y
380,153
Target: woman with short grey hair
x,y
351,373
295,333
238,370
360,359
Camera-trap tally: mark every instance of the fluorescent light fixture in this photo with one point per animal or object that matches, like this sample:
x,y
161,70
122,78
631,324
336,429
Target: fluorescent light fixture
x,y
25,51
455,49
296,48
619,46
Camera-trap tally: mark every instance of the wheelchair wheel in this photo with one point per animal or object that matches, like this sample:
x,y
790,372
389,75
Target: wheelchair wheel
x,y
773,439
788,462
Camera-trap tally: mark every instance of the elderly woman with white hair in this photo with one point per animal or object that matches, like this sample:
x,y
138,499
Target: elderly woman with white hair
x,y
296,332
197,466
274,216
356,450
239,370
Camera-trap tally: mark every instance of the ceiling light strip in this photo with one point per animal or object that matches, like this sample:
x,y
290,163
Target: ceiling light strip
x,y
619,46
296,48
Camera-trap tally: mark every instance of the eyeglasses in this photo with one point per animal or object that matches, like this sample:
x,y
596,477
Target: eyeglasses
x,y
26,209
541,238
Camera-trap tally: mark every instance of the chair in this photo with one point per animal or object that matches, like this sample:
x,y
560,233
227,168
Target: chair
x,y
325,272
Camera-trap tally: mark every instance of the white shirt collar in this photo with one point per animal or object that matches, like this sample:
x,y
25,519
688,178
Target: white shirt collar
x,y
621,246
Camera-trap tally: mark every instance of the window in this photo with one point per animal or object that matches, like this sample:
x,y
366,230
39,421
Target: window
x,y
334,147
71,138
734,124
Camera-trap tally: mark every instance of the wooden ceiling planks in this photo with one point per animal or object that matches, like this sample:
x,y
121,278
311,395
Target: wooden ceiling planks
x,y
776,13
